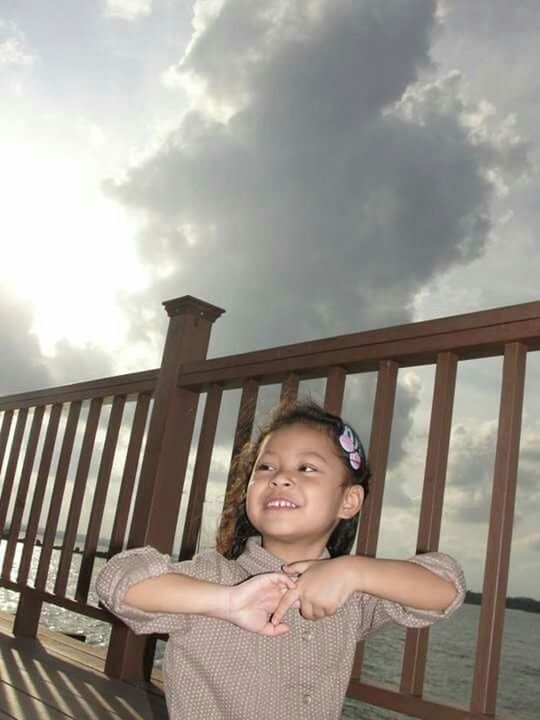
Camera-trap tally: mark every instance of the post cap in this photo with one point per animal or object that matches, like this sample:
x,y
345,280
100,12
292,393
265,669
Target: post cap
x,y
189,305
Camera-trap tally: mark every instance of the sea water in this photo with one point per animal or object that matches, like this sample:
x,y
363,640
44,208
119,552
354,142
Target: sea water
x,y
450,656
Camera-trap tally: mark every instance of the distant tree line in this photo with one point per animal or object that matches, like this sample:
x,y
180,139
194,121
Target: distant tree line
x,y
512,603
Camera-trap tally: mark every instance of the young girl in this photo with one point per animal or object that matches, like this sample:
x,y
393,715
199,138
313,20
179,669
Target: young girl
x,y
265,627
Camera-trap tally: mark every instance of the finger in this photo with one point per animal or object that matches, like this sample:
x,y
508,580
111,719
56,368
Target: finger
x,y
288,582
307,611
296,603
291,581
284,590
297,568
285,603
272,630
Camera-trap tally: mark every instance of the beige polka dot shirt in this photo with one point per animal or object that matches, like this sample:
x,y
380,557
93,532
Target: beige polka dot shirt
x,y
214,670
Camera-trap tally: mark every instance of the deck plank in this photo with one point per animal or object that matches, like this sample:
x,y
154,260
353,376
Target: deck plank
x,y
55,677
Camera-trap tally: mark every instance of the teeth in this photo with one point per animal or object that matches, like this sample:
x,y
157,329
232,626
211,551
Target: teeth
x,y
281,503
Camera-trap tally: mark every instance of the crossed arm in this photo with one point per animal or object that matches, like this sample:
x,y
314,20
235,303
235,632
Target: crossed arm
x,y
325,585
249,605
316,587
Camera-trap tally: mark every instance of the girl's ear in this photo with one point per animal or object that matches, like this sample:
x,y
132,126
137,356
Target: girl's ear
x,y
352,501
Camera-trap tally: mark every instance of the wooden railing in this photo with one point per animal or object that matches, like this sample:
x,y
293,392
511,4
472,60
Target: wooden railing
x,y
148,503
45,408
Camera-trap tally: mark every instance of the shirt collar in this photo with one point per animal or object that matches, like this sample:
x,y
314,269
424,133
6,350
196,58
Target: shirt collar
x,y
256,560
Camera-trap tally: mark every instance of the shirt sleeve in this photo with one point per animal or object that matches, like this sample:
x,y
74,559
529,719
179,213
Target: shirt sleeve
x,y
374,612
133,566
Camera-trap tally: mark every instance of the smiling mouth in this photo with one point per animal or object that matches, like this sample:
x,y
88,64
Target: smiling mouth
x,y
280,505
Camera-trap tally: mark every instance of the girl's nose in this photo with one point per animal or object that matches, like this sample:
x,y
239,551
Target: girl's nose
x,y
281,478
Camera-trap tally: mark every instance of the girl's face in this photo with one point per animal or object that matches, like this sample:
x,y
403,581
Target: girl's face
x,y
298,490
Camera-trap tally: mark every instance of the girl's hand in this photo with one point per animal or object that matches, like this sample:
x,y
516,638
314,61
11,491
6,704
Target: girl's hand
x,y
322,587
252,603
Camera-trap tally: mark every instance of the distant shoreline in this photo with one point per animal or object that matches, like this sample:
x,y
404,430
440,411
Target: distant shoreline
x,y
76,550
512,603
471,598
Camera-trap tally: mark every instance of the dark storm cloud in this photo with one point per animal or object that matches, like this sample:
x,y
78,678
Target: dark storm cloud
x,y
319,180
319,199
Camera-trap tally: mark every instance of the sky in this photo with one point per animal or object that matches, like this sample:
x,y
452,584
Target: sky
x,y
314,167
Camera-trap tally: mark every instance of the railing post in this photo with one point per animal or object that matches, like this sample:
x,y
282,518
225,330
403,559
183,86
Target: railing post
x,y
165,461
27,615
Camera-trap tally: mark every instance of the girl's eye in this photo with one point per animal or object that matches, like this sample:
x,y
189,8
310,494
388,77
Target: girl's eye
x,y
263,466
308,468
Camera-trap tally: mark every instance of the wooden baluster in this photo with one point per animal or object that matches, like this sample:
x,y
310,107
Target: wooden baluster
x,y
129,474
11,468
51,527
289,389
416,642
244,424
194,512
488,649
4,434
39,492
383,413
29,605
22,493
77,497
335,387
100,496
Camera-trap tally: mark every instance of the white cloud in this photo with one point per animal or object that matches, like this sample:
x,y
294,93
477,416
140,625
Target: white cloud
x,y
128,9
13,52
13,46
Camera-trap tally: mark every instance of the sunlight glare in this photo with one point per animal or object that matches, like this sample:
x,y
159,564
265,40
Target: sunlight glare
x,y
66,248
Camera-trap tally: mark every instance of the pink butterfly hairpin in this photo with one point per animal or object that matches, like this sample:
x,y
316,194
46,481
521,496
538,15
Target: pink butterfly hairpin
x,y
353,447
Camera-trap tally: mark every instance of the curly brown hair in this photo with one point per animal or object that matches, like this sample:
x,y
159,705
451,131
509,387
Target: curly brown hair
x,y
235,527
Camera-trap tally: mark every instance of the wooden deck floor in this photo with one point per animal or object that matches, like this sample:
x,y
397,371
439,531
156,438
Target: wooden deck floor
x,y
55,677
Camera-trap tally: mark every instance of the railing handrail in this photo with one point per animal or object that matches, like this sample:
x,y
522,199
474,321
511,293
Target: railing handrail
x,y
469,336
128,384
230,370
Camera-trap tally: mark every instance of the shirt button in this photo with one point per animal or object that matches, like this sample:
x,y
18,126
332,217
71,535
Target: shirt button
x,y
307,635
308,697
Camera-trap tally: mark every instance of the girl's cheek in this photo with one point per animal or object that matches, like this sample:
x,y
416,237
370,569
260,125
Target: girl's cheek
x,y
250,516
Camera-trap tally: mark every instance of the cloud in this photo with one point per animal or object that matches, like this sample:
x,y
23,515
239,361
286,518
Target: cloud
x,y
470,473
128,9
72,363
322,175
492,46
315,175
13,46
26,368
23,367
